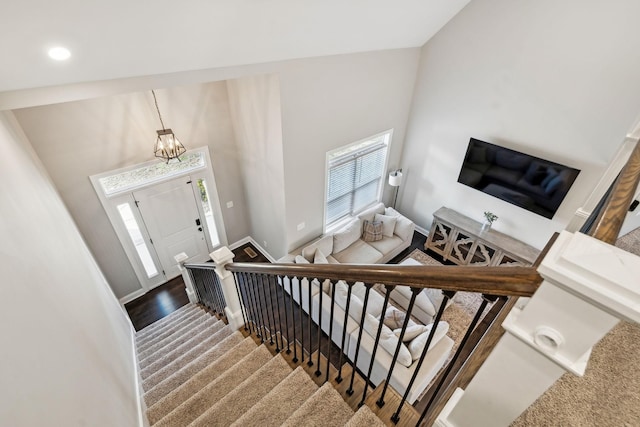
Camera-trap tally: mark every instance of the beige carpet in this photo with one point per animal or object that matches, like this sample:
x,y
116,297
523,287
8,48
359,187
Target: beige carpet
x,y
213,377
609,392
460,313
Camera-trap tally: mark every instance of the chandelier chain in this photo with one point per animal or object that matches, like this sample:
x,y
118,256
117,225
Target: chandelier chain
x,y
157,108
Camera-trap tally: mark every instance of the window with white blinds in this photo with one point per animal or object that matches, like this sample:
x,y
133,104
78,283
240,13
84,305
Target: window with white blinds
x,y
355,176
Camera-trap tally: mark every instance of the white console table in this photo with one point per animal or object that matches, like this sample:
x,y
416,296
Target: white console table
x,y
462,240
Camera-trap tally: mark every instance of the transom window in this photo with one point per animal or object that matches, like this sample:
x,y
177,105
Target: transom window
x,y
355,177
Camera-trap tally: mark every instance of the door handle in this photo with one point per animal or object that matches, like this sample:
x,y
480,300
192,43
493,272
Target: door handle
x,y
199,228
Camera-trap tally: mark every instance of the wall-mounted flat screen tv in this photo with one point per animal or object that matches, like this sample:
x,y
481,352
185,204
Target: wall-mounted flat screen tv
x,y
532,183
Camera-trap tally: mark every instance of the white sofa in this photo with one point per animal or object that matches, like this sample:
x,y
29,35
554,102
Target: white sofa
x,y
346,245
354,250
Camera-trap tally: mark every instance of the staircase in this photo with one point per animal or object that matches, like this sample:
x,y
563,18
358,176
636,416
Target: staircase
x,y
197,371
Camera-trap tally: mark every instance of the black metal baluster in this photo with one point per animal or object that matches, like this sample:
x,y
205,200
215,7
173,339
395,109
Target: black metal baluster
x,y
256,286
388,289
344,330
255,307
249,306
275,308
320,298
261,285
218,289
301,315
280,279
333,298
485,300
414,294
309,319
242,302
447,295
359,342
206,280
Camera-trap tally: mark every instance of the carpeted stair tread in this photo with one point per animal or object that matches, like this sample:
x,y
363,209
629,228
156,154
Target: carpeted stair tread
x,y
168,328
325,408
202,399
187,357
278,405
209,357
173,350
165,320
364,418
199,381
163,339
245,395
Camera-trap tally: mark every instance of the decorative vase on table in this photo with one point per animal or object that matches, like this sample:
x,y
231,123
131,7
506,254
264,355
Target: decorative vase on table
x,y
489,217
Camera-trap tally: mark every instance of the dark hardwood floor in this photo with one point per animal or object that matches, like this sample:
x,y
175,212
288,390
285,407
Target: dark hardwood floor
x,y
157,303
167,298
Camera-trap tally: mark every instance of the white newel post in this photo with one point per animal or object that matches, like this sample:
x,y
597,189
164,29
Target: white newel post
x,y
181,258
222,257
588,287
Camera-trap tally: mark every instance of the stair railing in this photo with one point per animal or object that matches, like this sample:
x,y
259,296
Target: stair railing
x,y
280,305
207,287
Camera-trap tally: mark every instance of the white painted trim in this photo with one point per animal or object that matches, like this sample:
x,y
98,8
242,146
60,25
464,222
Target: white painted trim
x,y
421,230
251,240
143,421
133,295
442,421
577,367
243,241
261,249
236,321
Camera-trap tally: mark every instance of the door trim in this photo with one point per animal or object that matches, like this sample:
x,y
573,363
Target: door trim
x,y
109,206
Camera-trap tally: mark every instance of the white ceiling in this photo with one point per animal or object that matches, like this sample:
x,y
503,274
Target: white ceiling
x,y
126,38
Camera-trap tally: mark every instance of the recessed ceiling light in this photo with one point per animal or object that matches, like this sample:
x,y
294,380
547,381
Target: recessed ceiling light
x,y
59,53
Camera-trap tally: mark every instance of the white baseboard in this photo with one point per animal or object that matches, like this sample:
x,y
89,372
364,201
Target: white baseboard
x,y
243,241
251,240
133,295
422,231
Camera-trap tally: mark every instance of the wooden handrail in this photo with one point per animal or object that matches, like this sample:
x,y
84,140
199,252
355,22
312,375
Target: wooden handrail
x,y
482,342
507,281
610,219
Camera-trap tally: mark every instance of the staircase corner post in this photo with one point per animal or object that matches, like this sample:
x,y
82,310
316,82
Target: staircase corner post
x,y
221,258
588,287
181,259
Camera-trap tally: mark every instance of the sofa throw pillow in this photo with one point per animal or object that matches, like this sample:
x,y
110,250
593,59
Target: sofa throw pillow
x,y
346,237
368,214
388,340
301,260
325,244
394,318
319,257
417,345
371,231
388,224
411,332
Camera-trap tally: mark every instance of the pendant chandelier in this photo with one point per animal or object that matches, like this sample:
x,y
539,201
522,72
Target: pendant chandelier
x,y
167,145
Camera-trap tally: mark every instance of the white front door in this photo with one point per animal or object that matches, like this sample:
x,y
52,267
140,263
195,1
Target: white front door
x,y
170,213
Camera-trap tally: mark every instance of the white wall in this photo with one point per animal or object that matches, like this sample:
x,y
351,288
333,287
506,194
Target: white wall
x,y
67,354
554,79
331,102
257,122
81,138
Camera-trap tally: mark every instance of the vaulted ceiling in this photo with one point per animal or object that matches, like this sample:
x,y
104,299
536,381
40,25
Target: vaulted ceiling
x,y
124,38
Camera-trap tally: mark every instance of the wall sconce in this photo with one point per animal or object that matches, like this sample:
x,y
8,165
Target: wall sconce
x,y
395,179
